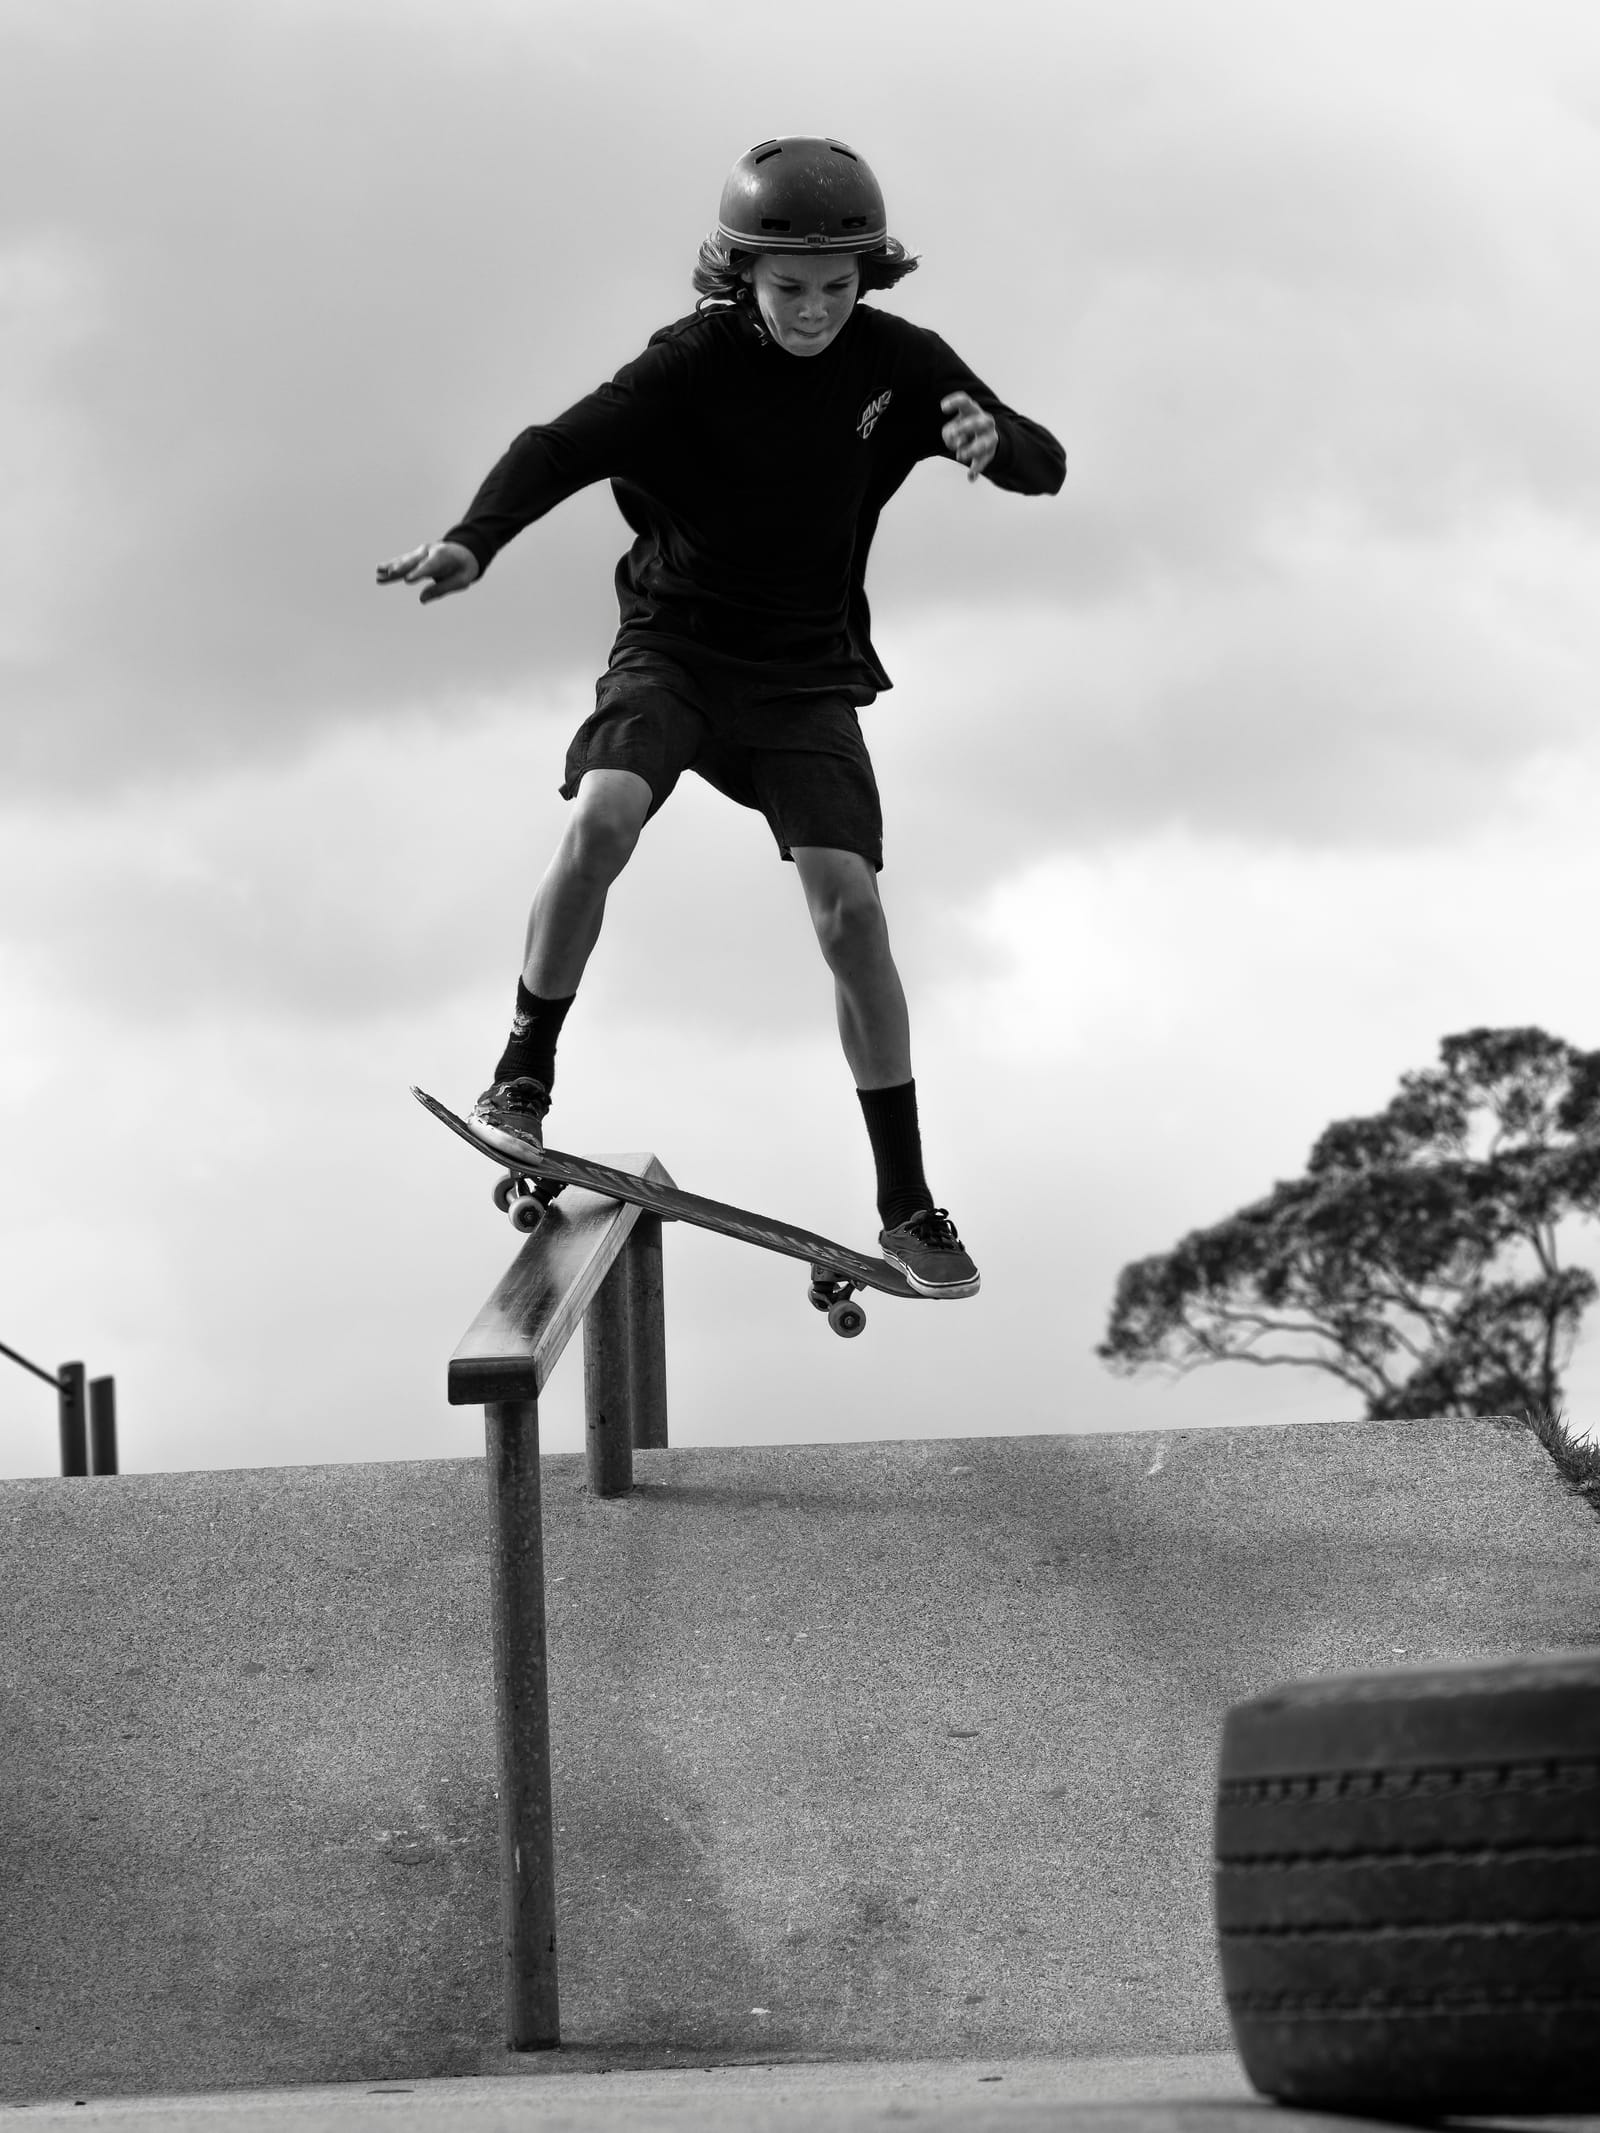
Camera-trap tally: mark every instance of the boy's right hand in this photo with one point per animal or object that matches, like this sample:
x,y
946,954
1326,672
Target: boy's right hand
x,y
440,566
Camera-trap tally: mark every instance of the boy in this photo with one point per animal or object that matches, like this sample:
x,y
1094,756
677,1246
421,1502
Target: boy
x,y
751,448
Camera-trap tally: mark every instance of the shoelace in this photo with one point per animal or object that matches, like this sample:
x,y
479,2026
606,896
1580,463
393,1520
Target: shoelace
x,y
935,1229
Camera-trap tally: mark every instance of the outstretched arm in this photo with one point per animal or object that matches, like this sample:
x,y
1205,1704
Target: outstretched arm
x,y
971,433
440,566
976,427
599,438
992,439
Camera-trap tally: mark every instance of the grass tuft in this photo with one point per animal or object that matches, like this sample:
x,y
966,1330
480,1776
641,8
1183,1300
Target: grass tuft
x,y
1577,1459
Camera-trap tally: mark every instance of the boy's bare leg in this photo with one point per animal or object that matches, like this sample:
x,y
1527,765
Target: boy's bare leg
x,y
875,1029
570,902
874,1026
563,926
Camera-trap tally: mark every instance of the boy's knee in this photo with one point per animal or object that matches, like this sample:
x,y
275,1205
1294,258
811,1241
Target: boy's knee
x,y
608,815
600,845
848,917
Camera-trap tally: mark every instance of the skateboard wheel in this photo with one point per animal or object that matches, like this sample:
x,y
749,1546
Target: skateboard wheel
x,y
505,1190
821,1297
846,1318
527,1212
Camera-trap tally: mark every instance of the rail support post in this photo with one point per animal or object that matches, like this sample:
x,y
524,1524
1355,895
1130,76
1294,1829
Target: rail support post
x,y
522,1722
74,1423
103,1425
608,1400
647,1327
625,1362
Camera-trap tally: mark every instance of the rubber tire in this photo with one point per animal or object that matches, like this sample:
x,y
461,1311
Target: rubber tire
x,y
1408,1886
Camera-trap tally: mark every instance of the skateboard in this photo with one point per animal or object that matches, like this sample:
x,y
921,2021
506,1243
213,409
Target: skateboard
x,y
837,1272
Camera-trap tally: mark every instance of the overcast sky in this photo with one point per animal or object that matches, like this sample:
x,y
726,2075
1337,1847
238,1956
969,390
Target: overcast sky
x,y
1218,788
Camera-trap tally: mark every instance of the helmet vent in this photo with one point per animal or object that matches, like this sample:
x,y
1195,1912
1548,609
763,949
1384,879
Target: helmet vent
x,y
840,149
765,152
773,222
852,222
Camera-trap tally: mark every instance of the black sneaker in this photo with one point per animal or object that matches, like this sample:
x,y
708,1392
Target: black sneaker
x,y
509,1115
929,1254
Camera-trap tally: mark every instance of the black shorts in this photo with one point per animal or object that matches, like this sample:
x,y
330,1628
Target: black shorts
x,y
796,755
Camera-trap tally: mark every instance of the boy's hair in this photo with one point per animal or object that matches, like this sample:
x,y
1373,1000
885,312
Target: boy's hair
x,y
718,271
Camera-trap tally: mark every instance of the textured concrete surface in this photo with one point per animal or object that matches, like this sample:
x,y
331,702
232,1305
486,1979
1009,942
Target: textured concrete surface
x,y
720,2099
890,1752
1205,2094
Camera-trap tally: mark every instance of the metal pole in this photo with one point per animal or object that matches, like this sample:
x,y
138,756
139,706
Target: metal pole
x,y
74,1432
647,1327
103,1425
608,1399
522,1718
23,1360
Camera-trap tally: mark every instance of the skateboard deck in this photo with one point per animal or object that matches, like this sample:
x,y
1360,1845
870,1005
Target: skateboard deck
x,y
836,1271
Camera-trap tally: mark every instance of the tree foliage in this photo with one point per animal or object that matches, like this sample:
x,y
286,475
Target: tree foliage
x,y
1393,1254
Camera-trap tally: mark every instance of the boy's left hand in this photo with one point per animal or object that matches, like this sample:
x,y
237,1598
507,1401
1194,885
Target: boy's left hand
x,y
970,432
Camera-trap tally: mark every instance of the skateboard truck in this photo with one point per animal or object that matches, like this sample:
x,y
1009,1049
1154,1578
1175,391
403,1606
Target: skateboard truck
x,y
524,1201
832,1293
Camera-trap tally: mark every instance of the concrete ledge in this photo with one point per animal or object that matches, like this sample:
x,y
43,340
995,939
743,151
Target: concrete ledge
x,y
861,1751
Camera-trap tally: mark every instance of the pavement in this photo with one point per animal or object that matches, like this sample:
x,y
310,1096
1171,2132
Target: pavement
x,y
838,2098
883,1773
1204,2093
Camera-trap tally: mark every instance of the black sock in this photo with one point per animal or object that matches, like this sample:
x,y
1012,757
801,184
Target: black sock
x,y
891,1116
532,1045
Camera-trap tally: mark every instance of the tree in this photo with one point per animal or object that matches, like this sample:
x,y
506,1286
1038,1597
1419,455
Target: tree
x,y
1385,1250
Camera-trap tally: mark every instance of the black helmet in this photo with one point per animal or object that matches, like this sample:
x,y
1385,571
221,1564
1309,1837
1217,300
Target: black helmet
x,y
802,194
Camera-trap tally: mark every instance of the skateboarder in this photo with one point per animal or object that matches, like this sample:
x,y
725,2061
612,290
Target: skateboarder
x,y
751,448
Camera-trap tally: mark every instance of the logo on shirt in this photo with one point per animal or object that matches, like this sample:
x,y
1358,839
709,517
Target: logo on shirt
x,y
867,420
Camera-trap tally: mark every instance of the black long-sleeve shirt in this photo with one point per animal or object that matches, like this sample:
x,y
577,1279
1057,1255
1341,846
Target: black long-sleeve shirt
x,y
753,480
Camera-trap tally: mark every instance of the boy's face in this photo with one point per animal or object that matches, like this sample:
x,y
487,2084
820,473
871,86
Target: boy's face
x,y
804,300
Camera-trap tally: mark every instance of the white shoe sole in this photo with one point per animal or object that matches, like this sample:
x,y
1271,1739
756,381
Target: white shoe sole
x,y
937,1290
503,1141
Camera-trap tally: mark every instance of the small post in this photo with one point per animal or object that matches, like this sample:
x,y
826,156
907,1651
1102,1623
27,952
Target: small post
x,y
103,1425
522,1720
74,1427
647,1328
608,1393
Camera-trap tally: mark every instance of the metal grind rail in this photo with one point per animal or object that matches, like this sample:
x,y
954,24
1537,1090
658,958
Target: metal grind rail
x,y
88,1412
598,1262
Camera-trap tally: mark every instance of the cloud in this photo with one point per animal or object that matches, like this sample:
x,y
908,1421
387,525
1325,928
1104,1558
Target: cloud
x,y
390,871
377,866
1352,693
275,1252
1217,788
263,333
